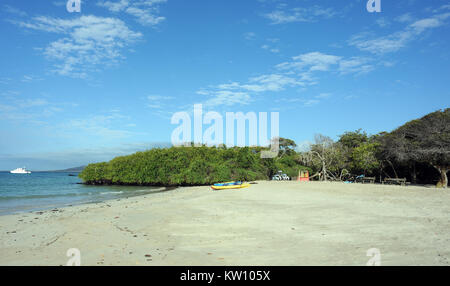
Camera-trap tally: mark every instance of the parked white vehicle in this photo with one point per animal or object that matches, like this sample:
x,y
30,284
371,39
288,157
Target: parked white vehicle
x,y
277,178
280,177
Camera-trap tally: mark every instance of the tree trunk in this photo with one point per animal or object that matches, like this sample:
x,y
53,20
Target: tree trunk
x,y
392,166
413,173
443,171
324,170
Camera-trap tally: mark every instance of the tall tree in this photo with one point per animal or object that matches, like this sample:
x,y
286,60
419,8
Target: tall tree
x,y
359,152
353,139
287,146
423,140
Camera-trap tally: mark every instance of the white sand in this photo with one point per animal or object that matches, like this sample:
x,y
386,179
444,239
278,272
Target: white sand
x,y
271,223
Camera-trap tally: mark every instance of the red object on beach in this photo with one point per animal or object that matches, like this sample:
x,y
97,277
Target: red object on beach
x,y
303,176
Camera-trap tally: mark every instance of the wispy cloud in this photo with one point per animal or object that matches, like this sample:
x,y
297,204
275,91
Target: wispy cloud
x,y
227,98
299,14
30,78
105,126
312,62
324,95
397,40
298,72
88,42
441,8
263,83
270,49
311,102
356,65
34,109
11,10
5,80
158,101
249,36
146,12
116,6
60,3
382,22
307,102
405,18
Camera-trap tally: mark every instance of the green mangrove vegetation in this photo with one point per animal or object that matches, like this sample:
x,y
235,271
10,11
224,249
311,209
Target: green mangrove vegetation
x,y
187,166
418,151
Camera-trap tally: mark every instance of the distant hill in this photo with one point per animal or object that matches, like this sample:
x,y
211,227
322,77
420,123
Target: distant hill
x,y
75,169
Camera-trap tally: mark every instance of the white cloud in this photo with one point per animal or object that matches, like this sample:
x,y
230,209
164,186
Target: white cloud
x,y
299,14
144,17
159,97
88,42
6,108
324,95
311,102
316,61
396,41
32,102
105,126
405,18
249,36
30,78
227,98
160,105
305,101
299,72
382,22
202,92
381,45
271,82
443,7
270,49
422,25
240,93
309,63
5,80
117,6
263,83
60,3
357,65
31,110
158,101
145,11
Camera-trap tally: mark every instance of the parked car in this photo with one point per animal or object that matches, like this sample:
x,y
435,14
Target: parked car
x,y
285,177
280,176
277,178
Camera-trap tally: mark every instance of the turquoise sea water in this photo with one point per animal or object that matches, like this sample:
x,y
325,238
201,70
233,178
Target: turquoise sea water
x,y
45,190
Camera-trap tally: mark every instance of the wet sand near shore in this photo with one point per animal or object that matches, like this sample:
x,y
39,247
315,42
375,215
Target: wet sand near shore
x,y
269,223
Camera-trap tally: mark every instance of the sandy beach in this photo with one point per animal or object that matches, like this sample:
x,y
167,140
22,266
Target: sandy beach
x,y
270,223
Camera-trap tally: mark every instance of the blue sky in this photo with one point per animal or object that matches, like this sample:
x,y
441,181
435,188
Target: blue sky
x,y
84,87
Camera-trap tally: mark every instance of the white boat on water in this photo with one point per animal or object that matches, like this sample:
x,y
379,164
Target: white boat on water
x,y
20,171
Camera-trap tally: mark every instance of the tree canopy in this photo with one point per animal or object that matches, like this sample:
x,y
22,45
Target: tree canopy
x,y
187,166
419,147
425,140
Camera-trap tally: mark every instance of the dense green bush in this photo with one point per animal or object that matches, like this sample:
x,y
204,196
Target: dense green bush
x,y
187,166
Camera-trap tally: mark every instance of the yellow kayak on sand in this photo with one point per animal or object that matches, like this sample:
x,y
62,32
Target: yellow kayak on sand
x,y
230,185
